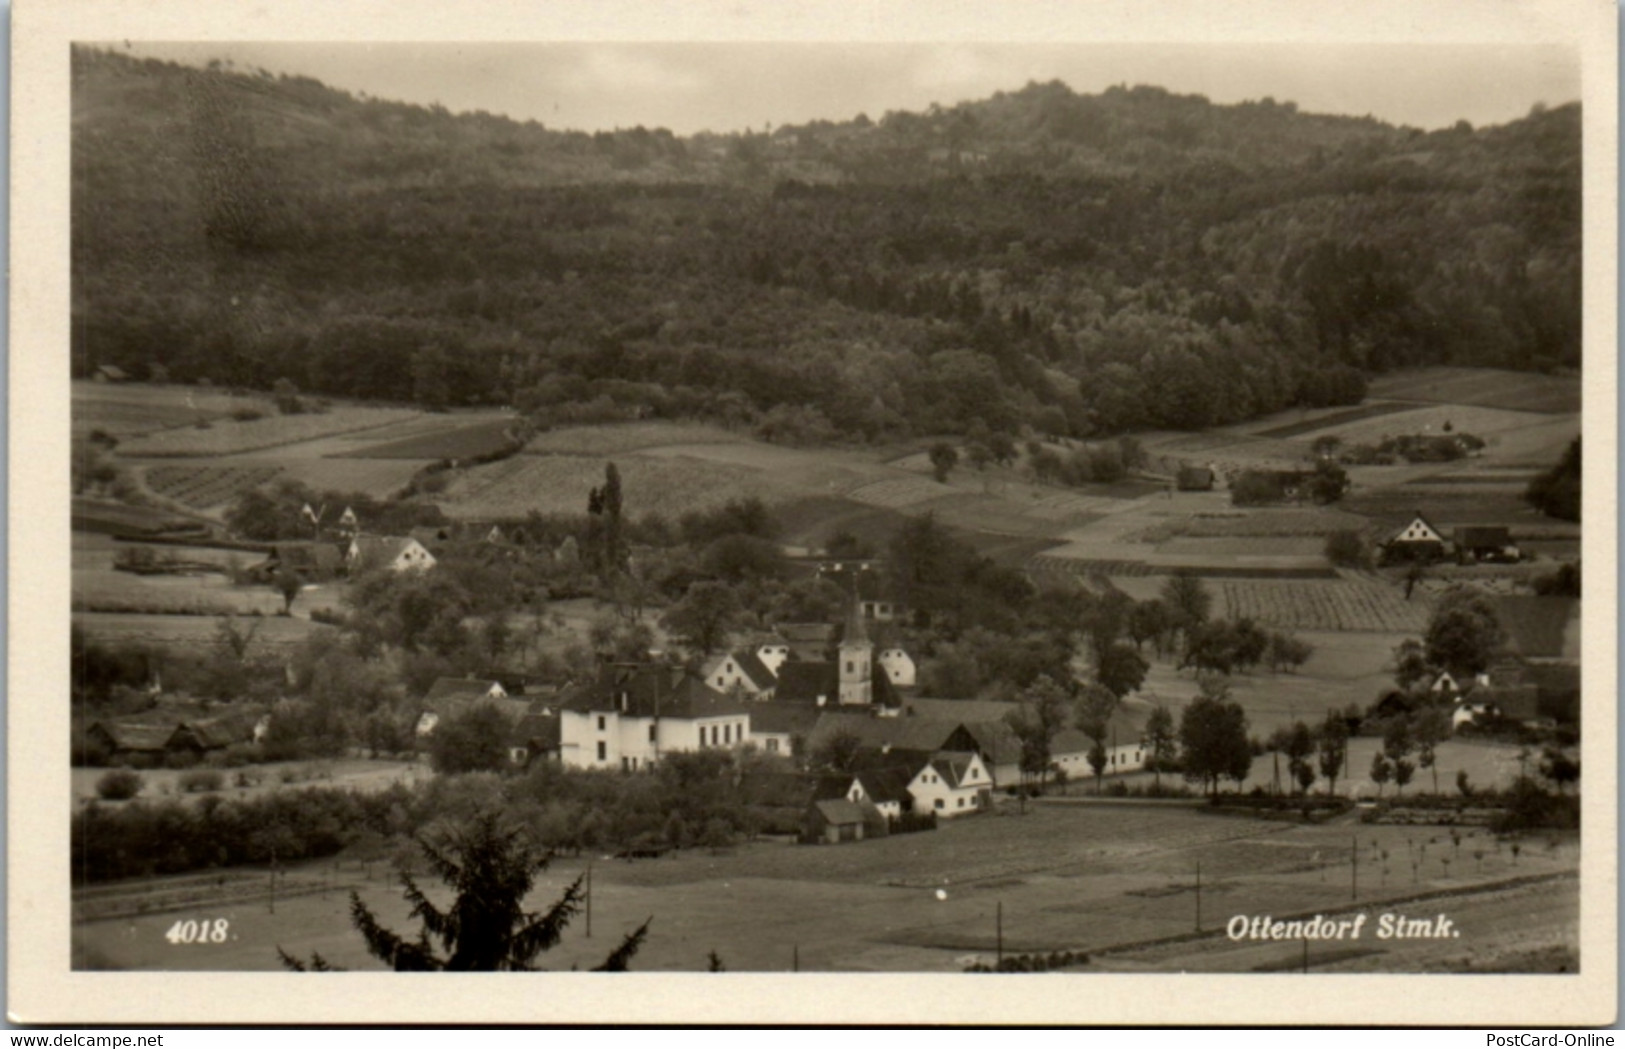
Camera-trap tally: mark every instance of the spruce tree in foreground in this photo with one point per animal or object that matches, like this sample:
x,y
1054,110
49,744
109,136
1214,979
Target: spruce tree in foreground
x,y
493,866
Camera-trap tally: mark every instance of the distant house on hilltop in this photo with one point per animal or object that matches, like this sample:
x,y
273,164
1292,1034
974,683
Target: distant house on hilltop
x,y
393,553
1417,541
1485,543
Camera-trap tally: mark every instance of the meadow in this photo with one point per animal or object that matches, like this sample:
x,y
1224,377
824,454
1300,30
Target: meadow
x,y
231,436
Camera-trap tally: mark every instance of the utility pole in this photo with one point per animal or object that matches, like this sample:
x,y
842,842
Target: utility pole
x,y
1354,868
1198,895
589,899
1000,925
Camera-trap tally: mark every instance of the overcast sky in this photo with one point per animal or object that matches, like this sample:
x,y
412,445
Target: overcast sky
x,y
691,87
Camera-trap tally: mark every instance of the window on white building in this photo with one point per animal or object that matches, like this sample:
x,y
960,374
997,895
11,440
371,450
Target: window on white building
x,y
603,750
600,723
772,744
651,733
940,804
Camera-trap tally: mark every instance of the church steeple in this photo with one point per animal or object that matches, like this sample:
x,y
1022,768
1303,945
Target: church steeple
x,y
856,656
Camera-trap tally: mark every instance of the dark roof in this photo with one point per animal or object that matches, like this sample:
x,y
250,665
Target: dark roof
x,y
222,731
805,632
840,812
898,733
906,761
649,690
1516,702
885,784
1477,536
789,718
751,665
952,767
380,549
539,732
1412,519
801,682
127,736
966,710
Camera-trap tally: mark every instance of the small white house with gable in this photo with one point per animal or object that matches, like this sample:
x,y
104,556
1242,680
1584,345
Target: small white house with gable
x,y
951,784
898,666
389,552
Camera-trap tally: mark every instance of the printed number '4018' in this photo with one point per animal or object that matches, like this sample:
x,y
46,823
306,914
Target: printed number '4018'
x,y
199,932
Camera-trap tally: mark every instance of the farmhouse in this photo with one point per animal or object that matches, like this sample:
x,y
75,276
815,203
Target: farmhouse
x,y
865,580
394,554
217,733
952,784
782,728
898,666
1417,541
1485,544
884,788
126,740
450,696
631,713
742,670
110,373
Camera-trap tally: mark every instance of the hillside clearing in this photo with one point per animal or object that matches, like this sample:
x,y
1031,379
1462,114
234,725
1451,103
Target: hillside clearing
x,y
230,436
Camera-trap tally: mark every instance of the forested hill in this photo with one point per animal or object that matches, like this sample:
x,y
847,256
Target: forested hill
x,y
1081,263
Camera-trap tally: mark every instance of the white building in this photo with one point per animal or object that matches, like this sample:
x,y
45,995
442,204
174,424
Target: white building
x,y
391,552
631,714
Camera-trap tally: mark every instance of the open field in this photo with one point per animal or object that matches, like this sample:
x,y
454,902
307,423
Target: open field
x,y
453,442
185,631
1308,426
561,483
99,587
130,410
1067,875
205,487
1493,425
1354,602
229,436
1491,388
627,437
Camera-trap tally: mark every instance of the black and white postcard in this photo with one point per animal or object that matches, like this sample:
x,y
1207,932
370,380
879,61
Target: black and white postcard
x,y
848,512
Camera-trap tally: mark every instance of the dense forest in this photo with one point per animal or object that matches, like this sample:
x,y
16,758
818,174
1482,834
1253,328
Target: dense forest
x,y
1081,264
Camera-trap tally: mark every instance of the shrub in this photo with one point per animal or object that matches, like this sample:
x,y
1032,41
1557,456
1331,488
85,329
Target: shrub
x,y
1347,549
204,781
118,785
247,415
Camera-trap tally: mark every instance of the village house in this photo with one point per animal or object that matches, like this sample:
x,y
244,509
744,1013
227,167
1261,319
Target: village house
x,y
743,670
395,554
630,714
898,666
884,788
782,728
1480,544
535,737
951,784
773,652
1417,541
450,696
834,820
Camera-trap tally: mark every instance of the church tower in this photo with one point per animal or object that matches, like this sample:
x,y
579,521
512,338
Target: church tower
x,y
855,658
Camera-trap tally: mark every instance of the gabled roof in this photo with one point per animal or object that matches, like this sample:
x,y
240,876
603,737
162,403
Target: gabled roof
x,y
221,731
898,733
966,710
649,690
753,668
952,767
381,549
884,785
775,717
1428,526
840,812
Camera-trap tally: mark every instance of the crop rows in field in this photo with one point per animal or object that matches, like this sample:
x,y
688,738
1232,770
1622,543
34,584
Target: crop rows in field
x,y
1433,419
898,492
203,487
229,436
1346,603
1351,415
1232,449
1283,523
619,438
561,483
464,442
1521,391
